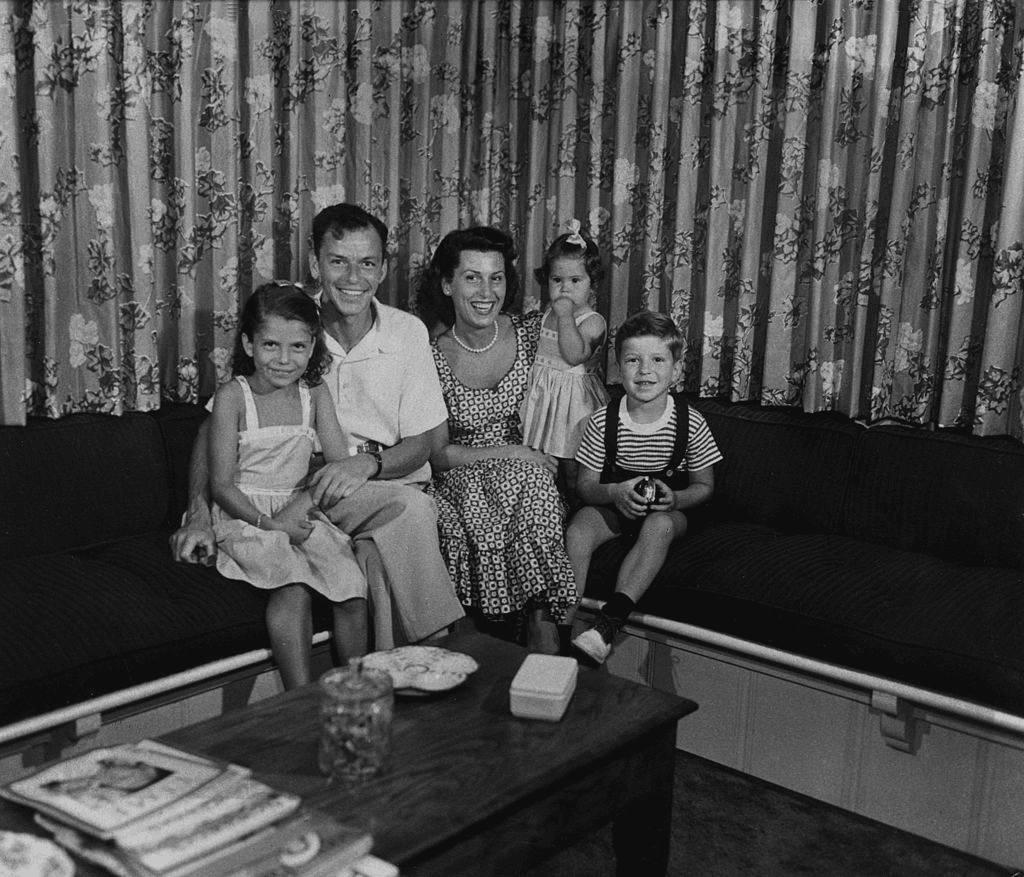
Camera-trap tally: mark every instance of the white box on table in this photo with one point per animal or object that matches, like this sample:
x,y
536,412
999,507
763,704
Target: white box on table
x,y
543,687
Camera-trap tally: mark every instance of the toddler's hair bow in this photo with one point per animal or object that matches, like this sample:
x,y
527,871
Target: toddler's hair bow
x,y
574,234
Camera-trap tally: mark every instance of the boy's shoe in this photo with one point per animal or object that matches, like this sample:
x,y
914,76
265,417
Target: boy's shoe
x,y
596,642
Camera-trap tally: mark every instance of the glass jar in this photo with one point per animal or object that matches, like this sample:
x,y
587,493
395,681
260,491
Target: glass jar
x,y
356,705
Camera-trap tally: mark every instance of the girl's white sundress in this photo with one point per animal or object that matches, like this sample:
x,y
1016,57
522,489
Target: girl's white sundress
x,y
561,397
272,465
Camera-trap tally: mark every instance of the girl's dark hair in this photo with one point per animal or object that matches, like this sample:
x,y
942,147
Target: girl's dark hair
x,y
281,298
479,239
650,324
561,248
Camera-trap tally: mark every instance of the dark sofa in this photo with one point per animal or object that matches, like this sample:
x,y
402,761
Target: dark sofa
x,y
92,601
886,550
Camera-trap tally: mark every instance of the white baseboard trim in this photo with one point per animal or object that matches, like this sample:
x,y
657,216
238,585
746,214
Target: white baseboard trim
x,y
87,715
942,774
921,696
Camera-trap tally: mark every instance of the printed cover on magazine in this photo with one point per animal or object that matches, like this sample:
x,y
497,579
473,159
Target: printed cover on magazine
x,y
106,789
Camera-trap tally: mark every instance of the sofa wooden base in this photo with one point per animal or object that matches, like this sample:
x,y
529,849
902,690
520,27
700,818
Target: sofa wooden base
x,y
953,780
134,719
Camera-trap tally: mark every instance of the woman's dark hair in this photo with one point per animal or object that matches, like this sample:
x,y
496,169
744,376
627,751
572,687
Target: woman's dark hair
x,y
281,298
650,324
479,239
562,248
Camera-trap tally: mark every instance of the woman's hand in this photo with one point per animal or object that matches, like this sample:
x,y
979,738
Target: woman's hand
x,y
450,456
521,452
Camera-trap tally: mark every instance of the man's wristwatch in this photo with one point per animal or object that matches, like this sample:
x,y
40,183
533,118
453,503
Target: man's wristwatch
x,y
380,463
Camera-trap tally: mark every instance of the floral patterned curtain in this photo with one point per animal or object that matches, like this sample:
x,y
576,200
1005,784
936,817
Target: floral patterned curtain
x,y
825,195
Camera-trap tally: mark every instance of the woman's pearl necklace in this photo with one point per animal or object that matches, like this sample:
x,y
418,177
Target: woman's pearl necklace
x,y
483,349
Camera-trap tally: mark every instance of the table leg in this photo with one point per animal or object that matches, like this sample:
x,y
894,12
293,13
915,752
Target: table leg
x,y
641,834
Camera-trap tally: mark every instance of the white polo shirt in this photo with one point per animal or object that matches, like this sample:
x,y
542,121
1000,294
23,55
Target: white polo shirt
x,y
386,387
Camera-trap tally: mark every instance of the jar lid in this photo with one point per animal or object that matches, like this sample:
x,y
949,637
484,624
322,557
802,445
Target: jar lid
x,y
355,681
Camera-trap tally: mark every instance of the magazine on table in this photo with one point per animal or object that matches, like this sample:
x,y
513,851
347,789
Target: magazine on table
x,y
148,810
104,790
307,844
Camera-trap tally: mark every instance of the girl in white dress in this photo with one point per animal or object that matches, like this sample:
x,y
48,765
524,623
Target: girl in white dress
x,y
265,425
566,384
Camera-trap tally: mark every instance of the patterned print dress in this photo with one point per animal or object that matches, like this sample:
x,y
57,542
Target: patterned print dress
x,y
500,521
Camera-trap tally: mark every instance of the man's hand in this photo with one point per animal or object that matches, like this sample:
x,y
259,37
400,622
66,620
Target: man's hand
x,y
340,479
194,543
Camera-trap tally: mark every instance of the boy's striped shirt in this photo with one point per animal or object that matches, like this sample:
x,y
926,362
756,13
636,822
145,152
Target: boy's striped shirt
x,y
647,447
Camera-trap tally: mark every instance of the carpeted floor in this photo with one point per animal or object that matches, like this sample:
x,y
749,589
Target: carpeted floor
x,y
727,824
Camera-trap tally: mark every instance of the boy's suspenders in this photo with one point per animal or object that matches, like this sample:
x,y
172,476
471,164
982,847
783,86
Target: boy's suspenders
x,y
612,472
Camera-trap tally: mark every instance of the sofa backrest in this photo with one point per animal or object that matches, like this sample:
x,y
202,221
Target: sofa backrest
x,y
179,424
82,480
781,467
958,497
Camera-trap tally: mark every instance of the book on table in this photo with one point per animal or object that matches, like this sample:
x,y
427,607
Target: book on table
x,y
148,810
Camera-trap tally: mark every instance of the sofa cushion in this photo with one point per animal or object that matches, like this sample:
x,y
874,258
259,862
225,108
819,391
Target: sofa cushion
x,y
915,618
782,468
957,497
86,623
79,481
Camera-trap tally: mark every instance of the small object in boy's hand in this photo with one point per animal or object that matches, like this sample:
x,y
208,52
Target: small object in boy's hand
x,y
202,555
647,490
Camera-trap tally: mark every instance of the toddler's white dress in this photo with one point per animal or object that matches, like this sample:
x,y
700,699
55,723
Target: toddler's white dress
x,y
273,463
561,397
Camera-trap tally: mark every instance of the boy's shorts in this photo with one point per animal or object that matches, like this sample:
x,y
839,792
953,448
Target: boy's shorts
x,y
629,528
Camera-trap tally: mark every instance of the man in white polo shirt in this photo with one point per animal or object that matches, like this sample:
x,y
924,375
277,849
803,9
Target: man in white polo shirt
x,y
389,400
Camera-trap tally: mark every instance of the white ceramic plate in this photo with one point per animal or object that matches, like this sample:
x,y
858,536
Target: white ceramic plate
x,y
25,855
422,669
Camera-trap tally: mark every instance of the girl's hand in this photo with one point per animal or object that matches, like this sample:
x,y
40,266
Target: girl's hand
x,y
297,525
627,500
563,306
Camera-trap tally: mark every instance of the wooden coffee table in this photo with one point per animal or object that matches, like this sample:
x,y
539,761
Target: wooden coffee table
x,y
471,789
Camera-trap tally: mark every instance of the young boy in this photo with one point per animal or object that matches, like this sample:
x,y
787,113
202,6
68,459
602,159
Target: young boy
x,y
650,434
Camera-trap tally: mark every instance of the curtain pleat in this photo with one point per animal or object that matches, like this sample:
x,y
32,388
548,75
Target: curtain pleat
x,y
999,405
825,196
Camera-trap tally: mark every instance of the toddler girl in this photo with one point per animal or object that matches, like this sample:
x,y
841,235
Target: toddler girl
x,y
264,427
565,385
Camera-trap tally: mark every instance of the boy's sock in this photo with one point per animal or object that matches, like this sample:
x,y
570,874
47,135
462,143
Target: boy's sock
x,y
619,607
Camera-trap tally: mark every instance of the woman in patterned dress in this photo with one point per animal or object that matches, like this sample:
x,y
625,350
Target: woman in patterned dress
x,y
500,516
